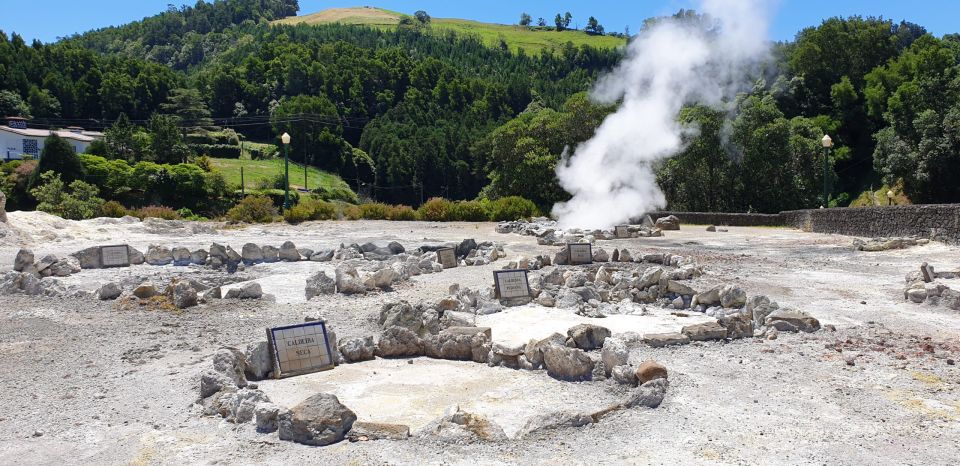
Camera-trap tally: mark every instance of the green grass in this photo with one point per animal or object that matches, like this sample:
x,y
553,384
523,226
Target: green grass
x,y
879,197
531,39
256,170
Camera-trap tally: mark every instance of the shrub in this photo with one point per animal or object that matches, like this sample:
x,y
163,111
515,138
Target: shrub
x,y
220,151
188,214
338,193
113,209
310,209
352,212
436,209
253,209
512,208
204,163
157,211
470,211
277,196
79,201
298,213
374,211
401,213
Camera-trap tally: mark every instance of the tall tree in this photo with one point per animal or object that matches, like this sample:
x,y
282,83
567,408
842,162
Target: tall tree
x,y
525,19
59,157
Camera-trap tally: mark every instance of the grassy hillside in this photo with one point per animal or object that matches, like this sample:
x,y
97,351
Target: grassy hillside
x,y
530,39
257,171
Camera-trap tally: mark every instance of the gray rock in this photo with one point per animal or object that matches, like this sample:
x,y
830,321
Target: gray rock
x,y
259,364
378,431
198,257
732,296
89,258
624,374
288,252
181,256
159,255
251,290
319,420
136,257
670,222
399,342
616,349
145,290
232,363
588,336
401,314
649,395
65,267
182,294
23,260
305,253
658,340
319,284
212,382
554,420
458,426
270,254
44,264
357,349
323,256
738,325
251,254
382,279
3,207
348,280
267,416
625,256
917,295
109,291
705,331
650,277
801,320
567,363
600,255
682,289
465,246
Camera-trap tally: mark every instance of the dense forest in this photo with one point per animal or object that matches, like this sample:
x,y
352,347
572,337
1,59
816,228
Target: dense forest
x,y
405,114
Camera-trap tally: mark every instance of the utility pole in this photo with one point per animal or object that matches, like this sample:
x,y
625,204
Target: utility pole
x,y
286,170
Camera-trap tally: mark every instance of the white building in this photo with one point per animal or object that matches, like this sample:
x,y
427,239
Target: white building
x,y
16,140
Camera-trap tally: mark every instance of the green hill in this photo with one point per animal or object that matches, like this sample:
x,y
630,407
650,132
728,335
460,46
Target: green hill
x,y
531,39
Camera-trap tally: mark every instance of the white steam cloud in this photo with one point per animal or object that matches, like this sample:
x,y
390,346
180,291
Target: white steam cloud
x,y
671,64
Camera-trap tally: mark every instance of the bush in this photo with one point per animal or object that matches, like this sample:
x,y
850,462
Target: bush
x,y
436,209
512,208
253,209
470,211
336,194
277,195
220,151
188,214
310,209
113,209
204,163
156,211
401,213
374,211
78,202
352,212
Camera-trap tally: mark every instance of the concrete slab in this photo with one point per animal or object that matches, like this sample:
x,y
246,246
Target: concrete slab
x,y
393,391
518,325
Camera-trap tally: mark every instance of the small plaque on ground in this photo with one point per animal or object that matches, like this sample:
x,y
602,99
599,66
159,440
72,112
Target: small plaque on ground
x,y
114,256
300,349
447,257
622,231
580,253
511,284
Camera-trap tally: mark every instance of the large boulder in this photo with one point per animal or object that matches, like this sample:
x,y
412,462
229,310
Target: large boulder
x,y
251,254
270,254
288,252
136,257
182,293
801,320
181,256
89,258
670,222
109,291
732,296
465,247
145,290
738,325
251,290
382,279
348,280
319,420
399,342
23,261
616,349
159,255
401,314
588,336
649,394
65,267
564,363
357,349
259,363
318,284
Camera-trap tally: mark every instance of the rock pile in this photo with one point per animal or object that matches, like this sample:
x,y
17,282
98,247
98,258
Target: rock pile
x,y
548,233
884,244
50,265
927,286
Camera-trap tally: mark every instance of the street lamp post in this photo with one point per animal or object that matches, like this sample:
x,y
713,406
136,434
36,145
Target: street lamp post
x,y
286,170
827,144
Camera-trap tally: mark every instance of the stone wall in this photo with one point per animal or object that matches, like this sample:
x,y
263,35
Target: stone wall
x,y
940,222
724,219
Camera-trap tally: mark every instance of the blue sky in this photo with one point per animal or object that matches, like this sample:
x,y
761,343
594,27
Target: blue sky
x,y
48,19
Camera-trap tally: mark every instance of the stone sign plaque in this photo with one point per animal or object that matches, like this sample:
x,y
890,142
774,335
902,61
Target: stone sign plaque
x,y
511,284
114,256
447,257
300,349
621,231
580,253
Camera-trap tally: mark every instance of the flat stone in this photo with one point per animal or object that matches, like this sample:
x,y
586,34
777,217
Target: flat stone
x,y
378,431
658,340
705,331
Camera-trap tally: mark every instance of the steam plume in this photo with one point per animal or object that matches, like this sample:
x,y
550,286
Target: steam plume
x,y
670,64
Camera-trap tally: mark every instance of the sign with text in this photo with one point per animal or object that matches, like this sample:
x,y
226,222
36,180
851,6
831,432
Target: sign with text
x,y
447,257
114,256
300,349
511,284
580,253
622,231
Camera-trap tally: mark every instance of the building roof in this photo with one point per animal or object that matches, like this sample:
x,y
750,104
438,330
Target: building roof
x,y
86,136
